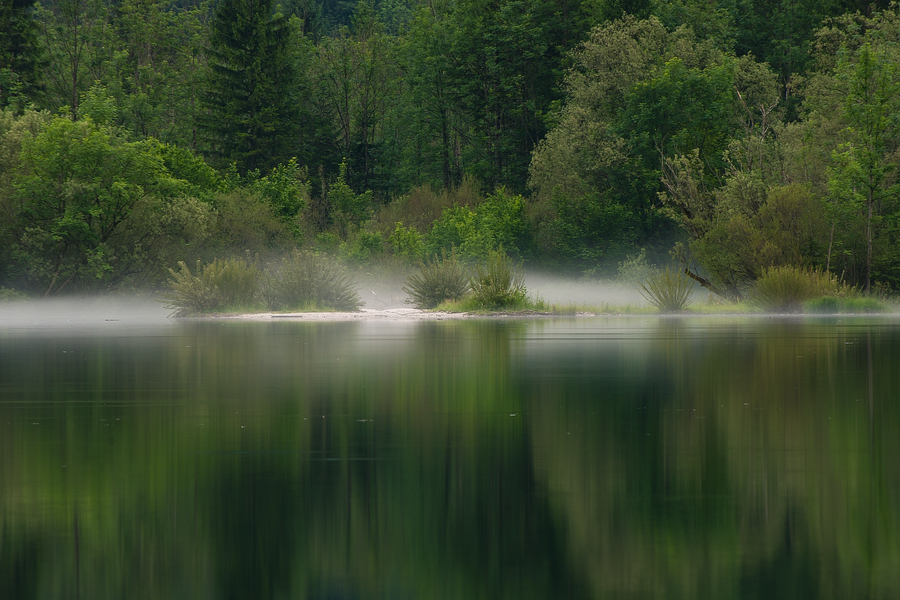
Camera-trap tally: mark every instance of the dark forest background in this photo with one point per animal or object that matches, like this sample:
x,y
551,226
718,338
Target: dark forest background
x,y
579,135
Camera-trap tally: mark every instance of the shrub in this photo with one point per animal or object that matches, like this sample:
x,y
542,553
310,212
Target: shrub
x,y
635,269
858,304
362,247
785,289
406,243
307,279
826,305
498,282
669,291
437,280
220,285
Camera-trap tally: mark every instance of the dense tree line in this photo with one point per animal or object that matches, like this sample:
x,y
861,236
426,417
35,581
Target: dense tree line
x,y
732,136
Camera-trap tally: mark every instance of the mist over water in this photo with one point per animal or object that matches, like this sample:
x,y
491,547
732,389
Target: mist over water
x,y
386,292
87,311
566,290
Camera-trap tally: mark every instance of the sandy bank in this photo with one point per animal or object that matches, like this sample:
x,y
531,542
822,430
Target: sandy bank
x,y
366,314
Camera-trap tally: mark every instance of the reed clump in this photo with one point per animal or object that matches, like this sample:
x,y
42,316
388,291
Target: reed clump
x,y
307,279
222,285
669,291
498,282
438,280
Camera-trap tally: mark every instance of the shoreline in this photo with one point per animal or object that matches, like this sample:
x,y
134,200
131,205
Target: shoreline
x,y
365,314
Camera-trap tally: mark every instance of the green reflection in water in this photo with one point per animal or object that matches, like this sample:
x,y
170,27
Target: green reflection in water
x,y
602,458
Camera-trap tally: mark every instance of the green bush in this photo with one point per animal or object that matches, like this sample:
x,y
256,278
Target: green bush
x,y
498,282
635,269
437,280
859,304
830,305
406,243
306,279
669,291
826,305
498,222
362,247
785,289
227,284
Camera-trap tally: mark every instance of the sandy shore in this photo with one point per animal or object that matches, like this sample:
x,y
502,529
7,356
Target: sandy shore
x,y
365,314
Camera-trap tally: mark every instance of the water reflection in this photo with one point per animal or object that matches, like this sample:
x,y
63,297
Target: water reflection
x,y
644,458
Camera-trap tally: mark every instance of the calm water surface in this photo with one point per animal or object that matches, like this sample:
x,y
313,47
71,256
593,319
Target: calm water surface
x,y
584,458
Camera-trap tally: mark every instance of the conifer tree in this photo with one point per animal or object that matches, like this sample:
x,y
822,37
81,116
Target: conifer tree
x,y
251,100
20,54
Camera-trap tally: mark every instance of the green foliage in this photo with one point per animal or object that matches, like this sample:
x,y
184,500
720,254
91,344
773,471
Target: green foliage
x,y
422,206
251,97
363,247
635,269
21,55
346,206
306,279
591,232
222,285
92,209
438,279
286,188
498,283
785,289
406,243
245,222
682,109
669,290
12,295
498,222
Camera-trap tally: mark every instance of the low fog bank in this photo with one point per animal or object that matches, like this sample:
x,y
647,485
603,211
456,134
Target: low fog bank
x,y
380,292
62,312
560,290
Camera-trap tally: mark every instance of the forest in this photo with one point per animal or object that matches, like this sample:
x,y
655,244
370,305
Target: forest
x,y
725,137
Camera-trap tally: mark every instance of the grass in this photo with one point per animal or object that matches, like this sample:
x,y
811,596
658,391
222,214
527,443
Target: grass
x,y
471,305
830,305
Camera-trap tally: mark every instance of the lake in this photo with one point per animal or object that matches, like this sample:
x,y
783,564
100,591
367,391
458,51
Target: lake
x,y
639,457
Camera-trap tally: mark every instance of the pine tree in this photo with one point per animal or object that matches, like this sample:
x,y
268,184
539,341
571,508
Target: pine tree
x,y
251,100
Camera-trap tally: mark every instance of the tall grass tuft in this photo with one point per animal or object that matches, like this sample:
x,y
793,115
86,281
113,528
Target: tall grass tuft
x,y
437,280
306,279
669,291
498,283
785,289
224,284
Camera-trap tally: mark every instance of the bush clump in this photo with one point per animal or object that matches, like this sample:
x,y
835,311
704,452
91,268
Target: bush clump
x,y
222,285
498,283
305,280
785,289
437,280
669,291
830,305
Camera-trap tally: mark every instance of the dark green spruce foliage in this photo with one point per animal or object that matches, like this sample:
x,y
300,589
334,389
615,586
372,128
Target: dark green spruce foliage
x,y
20,54
253,112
